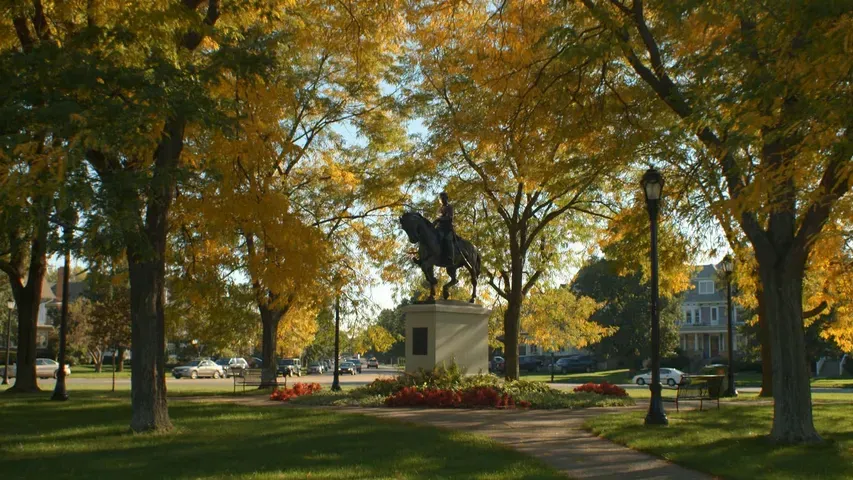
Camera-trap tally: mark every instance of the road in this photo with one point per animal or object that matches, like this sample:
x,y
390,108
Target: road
x,y
367,376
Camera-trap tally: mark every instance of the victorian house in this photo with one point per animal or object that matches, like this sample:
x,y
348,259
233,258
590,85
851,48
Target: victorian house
x,y
703,329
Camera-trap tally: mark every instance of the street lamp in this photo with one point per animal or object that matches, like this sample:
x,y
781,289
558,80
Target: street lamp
x,y
336,382
195,345
728,268
67,222
652,183
11,305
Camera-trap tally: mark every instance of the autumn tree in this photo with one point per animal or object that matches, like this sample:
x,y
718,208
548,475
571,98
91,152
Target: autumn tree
x,y
764,94
523,132
278,185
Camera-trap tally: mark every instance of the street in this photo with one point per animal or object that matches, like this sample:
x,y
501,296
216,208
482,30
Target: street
x,y
325,379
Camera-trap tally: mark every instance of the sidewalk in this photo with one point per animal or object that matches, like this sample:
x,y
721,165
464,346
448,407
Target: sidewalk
x,y
553,436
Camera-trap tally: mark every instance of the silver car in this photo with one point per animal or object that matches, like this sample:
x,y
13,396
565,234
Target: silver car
x,y
45,368
199,368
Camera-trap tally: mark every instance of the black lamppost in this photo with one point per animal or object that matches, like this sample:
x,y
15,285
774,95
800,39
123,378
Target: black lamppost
x,y
11,305
728,268
652,183
59,391
336,383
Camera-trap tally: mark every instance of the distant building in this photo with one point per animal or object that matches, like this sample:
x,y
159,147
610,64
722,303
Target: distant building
x,y
703,327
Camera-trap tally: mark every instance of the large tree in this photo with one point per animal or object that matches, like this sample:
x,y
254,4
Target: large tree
x,y
624,303
523,131
763,90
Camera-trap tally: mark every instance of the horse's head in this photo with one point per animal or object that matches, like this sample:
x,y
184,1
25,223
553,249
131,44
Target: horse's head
x,y
409,221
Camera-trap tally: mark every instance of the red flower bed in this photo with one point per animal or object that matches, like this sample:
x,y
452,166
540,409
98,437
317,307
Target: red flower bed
x,y
298,390
441,398
602,388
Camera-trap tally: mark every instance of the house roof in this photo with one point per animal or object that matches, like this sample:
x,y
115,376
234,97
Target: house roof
x,y
705,272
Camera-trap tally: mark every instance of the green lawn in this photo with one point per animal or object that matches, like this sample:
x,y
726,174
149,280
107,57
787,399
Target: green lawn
x,y
732,443
610,376
88,438
88,371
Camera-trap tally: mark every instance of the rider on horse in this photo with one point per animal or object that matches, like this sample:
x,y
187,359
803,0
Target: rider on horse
x,y
444,225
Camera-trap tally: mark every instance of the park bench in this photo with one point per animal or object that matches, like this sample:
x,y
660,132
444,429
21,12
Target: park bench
x,y
699,387
250,377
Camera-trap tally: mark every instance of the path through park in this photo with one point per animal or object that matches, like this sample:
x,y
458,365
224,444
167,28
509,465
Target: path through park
x,y
554,436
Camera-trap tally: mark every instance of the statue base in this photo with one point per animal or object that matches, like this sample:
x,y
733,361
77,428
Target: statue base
x,y
443,332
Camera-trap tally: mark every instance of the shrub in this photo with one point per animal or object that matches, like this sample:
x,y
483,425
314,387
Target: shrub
x,y
556,399
379,386
298,390
603,388
524,387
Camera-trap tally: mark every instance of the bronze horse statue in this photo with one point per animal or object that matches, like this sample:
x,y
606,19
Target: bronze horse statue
x,y
421,231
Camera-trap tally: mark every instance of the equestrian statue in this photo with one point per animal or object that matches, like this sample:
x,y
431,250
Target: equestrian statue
x,y
439,246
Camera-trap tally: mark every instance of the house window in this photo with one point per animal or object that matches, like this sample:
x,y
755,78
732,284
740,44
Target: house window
x,y
715,315
688,317
706,287
419,341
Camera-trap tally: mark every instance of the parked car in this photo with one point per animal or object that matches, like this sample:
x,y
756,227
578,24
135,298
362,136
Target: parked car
x,y
255,362
233,366
669,376
576,363
199,368
356,363
498,364
45,368
347,367
528,363
316,367
373,363
288,367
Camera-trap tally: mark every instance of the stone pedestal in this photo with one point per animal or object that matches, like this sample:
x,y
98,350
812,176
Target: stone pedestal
x,y
447,331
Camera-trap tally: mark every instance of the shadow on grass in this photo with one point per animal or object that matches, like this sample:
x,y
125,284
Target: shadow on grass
x,y
89,438
733,442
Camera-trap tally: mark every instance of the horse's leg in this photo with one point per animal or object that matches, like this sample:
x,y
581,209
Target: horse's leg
x,y
445,291
473,286
430,275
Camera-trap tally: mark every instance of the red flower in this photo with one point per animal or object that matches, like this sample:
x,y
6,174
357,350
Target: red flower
x,y
603,388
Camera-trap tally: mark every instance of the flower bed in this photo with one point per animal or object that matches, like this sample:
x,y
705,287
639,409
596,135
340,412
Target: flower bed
x,y
475,397
298,390
602,388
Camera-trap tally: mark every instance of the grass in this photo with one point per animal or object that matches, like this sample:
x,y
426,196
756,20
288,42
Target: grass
x,y
622,376
731,443
88,371
817,397
88,438
610,376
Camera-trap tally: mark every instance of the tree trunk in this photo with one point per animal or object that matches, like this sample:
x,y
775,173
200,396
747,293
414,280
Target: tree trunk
x,y
28,307
146,259
766,349
120,361
28,300
147,379
782,289
270,319
512,323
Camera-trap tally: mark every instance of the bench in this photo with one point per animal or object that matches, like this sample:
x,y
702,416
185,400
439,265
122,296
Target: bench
x,y
700,387
250,377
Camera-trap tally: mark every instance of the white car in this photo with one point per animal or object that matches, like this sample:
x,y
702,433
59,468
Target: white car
x,y
669,376
316,367
45,368
199,368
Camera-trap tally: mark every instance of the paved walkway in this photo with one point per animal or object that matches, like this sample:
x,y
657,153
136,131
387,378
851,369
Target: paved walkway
x,y
554,436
